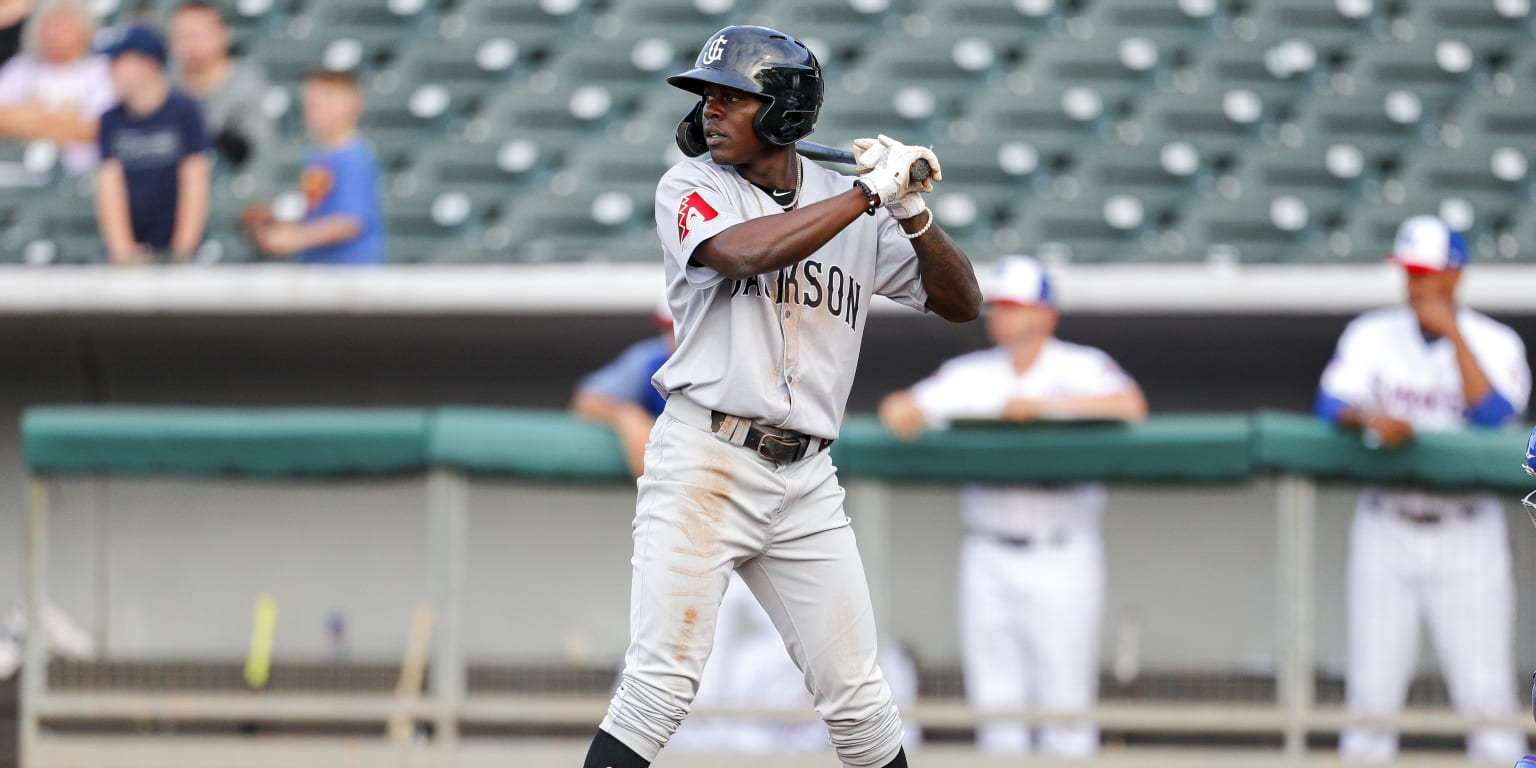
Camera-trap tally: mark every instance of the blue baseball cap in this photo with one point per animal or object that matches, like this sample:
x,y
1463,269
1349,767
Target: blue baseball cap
x,y
141,40
1426,244
1530,455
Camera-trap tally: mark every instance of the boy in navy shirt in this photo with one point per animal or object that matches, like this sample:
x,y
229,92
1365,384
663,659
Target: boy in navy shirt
x,y
343,223
153,185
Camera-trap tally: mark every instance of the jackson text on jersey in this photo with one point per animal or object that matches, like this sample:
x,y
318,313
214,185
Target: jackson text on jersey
x,y
810,284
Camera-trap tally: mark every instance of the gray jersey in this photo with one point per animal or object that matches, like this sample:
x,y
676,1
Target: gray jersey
x,y
779,348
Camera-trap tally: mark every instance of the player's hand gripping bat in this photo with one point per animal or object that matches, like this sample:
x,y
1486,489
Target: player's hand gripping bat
x,y
919,173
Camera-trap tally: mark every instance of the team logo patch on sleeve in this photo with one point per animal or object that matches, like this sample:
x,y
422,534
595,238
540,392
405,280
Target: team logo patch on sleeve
x,y
693,211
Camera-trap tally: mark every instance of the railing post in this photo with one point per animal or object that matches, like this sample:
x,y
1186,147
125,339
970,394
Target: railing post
x,y
448,515
34,669
1296,525
869,505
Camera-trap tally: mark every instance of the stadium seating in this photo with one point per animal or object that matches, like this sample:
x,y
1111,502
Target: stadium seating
x,y
1205,112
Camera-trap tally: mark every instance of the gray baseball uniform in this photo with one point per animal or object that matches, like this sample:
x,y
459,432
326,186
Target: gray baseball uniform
x,y
774,351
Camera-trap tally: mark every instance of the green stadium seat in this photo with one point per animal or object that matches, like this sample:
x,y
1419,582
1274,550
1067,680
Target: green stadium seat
x,y
941,61
1515,240
418,228
1327,176
1371,228
586,224
912,114
1003,170
1215,122
687,23
1166,21
1485,24
1090,229
397,122
58,229
538,27
376,22
1495,121
288,61
1325,23
1494,185
629,68
628,168
840,28
469,67
553,117
1255,230
491,175
1007,25
1159,178
1052,120
1273,69
1396,120
1436,70
1116,71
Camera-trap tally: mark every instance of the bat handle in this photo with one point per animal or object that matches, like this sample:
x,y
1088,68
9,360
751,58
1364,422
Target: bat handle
x,y
920,171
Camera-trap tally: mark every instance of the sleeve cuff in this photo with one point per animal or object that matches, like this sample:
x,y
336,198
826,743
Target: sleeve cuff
x,y
1491,411
1330,408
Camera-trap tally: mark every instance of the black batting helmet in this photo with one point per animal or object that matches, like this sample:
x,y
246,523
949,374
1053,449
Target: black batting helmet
x,y
761,61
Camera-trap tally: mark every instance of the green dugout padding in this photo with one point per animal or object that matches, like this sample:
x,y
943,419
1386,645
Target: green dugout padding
x,y
261,442
1473,458
1183,449
556,446
537,444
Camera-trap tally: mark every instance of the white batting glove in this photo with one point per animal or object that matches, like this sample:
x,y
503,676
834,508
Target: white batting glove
x,y
866,153
907,206
894,168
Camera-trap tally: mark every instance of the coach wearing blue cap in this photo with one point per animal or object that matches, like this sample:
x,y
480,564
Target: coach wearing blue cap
x,y
152,189
1417,556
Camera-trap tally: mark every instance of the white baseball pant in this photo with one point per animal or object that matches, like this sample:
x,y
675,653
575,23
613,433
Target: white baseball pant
x,y
1456,575
1030,620
706,507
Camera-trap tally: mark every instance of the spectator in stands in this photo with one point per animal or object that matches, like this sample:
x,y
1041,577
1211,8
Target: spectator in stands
x,y
13,23
1032,569
230,92
620,394
57,89
342,223
153,186
1415,555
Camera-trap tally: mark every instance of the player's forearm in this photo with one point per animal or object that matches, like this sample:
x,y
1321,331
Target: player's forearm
x,y
765,244
630,423
112,213
948,277
1475,386
1123,406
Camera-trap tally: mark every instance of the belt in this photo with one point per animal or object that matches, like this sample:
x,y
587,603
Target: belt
x,y
1446,513
1023,541
780,446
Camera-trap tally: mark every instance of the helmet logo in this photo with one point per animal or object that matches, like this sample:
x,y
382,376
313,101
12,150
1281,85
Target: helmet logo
x,y
714,50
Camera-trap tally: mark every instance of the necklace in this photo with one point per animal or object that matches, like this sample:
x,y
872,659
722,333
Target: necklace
x,y
794,202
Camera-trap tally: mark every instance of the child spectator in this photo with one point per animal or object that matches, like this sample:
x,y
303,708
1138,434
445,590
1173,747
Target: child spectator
x,y
153,186
342,223
230,92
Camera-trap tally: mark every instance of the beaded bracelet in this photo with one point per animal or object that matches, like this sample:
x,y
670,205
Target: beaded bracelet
x,y
869,192
920,232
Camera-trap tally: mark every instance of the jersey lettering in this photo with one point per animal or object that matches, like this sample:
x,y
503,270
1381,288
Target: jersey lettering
x,y
693,211
838,292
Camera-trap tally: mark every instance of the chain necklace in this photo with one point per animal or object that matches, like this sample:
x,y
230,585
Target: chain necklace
x,y
794,202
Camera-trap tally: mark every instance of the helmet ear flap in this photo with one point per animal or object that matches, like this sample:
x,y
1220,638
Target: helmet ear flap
x,y
690,132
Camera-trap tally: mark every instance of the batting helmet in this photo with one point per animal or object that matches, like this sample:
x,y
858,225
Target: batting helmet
x,y
761,61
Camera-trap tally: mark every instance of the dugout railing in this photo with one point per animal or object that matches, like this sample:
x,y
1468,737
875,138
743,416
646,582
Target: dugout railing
x,y
445,447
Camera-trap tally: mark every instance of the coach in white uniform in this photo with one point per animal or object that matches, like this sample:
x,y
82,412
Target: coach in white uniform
x,y
1032,565
1444,558
771,264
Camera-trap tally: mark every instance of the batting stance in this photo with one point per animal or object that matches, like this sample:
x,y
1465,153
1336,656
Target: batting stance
x,y
1032,565
771,263
1428,366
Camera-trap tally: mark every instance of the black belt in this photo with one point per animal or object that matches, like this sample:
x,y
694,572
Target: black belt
x,y
1054,539
1456,511
780,446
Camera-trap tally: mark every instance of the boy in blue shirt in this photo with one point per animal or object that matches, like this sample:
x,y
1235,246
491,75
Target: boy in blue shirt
x,y
153,185
342,223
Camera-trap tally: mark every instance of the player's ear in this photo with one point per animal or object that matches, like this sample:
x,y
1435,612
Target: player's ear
x,y
690,132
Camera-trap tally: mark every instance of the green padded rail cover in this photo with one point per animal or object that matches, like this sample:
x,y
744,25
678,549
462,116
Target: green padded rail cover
x,y
527,443
203,441
1472,458
1181,449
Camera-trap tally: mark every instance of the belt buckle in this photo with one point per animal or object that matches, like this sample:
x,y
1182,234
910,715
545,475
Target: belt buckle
x,y
780,450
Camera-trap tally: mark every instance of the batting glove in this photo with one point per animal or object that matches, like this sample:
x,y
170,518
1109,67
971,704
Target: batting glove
x,y
907,206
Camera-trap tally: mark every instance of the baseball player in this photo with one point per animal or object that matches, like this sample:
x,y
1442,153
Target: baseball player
x,y
1032,564
771,263
1427,366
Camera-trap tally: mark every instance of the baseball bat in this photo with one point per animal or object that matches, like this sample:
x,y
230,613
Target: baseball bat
x,y
831,154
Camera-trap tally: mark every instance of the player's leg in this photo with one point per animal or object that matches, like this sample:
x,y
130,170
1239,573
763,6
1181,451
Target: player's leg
x,y
811,582
692,522
992,646
1471,608
1067,601
1383,628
